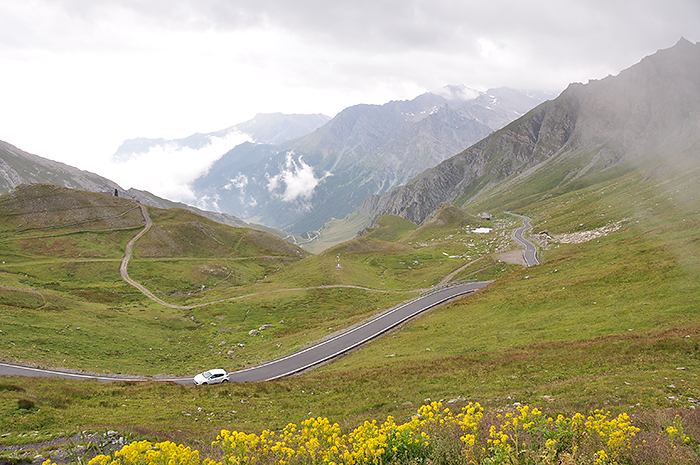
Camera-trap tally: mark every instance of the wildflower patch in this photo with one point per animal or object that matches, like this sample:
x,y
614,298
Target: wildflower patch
x,y
434,435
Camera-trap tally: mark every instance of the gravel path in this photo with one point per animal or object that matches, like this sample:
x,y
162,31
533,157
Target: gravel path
x,y
123,271
127,256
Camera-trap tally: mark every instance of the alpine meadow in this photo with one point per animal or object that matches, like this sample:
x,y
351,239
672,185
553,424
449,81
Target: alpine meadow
x,y
591,356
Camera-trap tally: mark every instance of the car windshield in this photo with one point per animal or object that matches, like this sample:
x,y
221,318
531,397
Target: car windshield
x,y
207,374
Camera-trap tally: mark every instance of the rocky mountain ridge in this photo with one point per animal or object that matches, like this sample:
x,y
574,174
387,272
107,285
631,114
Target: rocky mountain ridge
x,y
19,167
366,149
649,110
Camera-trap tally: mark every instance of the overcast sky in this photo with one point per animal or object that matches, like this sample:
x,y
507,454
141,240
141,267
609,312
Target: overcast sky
x,y
78,77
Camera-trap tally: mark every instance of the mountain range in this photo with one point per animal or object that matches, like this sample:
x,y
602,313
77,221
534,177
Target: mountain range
x,y
371,160
299,171
648,114
300,184
264,128
19,167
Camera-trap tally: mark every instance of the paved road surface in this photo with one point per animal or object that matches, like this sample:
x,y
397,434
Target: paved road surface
x,y
530,254
8,369
348,340
306,358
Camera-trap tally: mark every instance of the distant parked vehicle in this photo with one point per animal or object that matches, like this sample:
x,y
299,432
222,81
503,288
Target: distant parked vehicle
x,y
214,376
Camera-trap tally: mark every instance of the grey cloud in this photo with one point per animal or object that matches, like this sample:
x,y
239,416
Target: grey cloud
x,y
362,44
562,32
427,23
413,23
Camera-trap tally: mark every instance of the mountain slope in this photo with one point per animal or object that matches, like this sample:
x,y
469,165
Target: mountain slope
x,y
274,128
18,167
43,220
62,251
647,112
364,150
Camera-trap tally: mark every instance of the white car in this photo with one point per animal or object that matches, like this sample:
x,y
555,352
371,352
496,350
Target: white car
x,y
214,376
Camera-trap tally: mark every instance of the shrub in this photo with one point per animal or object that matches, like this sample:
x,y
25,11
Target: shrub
x,y
25,404
10,387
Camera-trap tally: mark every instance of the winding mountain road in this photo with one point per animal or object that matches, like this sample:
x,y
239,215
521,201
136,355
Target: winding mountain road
x,y
348,340
530,254
311,356
298,361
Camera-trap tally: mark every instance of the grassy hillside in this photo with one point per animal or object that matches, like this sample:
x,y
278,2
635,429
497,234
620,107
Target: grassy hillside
x,y
390,228
334,232
63,303
610,323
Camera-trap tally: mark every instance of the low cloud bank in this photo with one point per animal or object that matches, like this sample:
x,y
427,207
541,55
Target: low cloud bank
x,y
168,169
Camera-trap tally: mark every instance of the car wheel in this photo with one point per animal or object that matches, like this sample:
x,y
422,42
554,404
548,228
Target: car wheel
x,y
225,381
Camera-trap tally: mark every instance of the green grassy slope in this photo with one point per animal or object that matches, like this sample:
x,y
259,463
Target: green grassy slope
x,y
62,249
613,320
390,228
608,323
63,303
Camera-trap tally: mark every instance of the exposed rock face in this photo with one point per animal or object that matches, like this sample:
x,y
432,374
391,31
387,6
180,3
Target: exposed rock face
x,y
526,142
646,108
